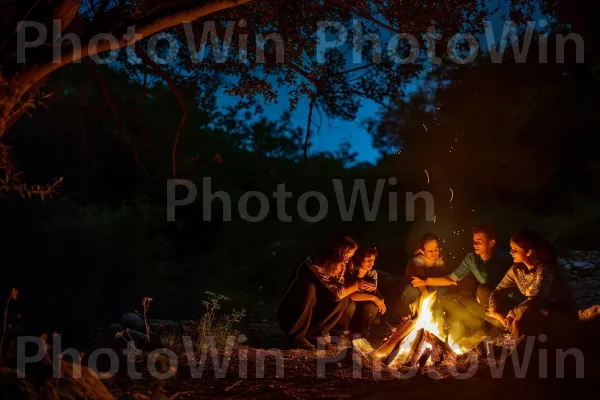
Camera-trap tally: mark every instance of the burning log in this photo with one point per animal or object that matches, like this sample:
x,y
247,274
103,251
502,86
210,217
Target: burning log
x,y
438,350
402,355
400,333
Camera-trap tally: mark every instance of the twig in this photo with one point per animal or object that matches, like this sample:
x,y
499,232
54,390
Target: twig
x,y
176,395
146,303
308,124
13,296
227,389
121,121
180,100
19,26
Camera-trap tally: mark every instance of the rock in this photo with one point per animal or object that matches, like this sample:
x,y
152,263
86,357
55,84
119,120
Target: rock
x,y
39,384
137,335
114,328
567,267
587,271
133,321
165,322
581,264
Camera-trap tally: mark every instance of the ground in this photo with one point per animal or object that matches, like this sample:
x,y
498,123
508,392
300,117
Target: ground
x,y
301,379
333,375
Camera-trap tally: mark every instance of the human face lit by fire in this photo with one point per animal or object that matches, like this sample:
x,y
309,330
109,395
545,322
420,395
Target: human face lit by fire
x,y
368,263
431,251
481,244
349,254
519,254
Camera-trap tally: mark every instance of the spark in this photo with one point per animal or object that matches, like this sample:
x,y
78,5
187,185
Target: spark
x,y
451,195
427,173
426,130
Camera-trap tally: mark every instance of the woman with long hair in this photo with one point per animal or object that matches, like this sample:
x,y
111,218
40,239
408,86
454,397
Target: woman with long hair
x,y
425,263
317,295
536,276
364,304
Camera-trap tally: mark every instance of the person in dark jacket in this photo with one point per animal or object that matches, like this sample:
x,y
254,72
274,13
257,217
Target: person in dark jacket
x,y
317,294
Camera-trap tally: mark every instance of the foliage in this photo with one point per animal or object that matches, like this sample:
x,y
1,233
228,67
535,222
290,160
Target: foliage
x,y
211,329
501,142
334,87
10,180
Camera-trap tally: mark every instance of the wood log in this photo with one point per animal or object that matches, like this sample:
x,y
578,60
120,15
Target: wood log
x,y
396,360
441,349
400,333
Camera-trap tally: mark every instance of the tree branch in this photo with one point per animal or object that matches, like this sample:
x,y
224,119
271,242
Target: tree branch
x,y
308,125
175,90
363,15
147,27
121,122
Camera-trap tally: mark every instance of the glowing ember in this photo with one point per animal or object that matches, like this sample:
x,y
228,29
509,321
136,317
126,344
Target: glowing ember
x,y
362,346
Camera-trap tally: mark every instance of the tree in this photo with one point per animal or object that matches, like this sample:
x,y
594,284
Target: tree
x,y
331,86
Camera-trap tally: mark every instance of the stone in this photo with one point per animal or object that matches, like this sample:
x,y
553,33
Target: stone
x,y
114,328
137,335
581,264
587,271
133,321
567,267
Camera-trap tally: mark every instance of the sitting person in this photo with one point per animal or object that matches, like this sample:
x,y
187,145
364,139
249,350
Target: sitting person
x,y
426,263
487,265
317,295
364,304
550,307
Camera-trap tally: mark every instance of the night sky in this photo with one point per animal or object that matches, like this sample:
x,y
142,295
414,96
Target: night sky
x,y
335,131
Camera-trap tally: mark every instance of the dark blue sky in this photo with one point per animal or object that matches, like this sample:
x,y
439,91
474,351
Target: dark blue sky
x,y
334,131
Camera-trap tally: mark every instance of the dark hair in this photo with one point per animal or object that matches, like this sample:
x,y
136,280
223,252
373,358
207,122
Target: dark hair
x,y
428,237
364,252
542,251
330,256
487,230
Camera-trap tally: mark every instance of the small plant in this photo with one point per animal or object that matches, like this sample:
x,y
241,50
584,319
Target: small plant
x,y
13,296
212,328
146,304
210,325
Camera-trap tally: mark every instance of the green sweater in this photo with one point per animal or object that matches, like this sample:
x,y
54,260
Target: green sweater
x,y
489,272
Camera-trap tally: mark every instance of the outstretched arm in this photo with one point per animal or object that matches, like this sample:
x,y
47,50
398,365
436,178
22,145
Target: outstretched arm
x,y
440,281
503,289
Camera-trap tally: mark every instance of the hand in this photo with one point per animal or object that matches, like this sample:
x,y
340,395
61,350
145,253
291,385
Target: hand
x,y
380,304
496,315
365,286
418,282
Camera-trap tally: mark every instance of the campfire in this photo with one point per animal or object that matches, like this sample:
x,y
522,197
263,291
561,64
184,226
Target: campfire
x,y
417,341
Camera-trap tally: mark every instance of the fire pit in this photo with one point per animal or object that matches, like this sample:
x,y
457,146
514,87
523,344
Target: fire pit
x,y
420,340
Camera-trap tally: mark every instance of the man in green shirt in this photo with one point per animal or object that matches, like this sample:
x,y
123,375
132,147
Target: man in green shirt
x,y
487,265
